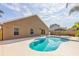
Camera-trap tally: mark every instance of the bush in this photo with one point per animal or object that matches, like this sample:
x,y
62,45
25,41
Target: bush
x,y
77,33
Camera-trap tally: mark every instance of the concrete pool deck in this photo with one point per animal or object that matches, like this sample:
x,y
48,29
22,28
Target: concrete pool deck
x,y
20,47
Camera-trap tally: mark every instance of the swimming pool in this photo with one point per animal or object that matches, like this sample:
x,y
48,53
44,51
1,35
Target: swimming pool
x,y
47,43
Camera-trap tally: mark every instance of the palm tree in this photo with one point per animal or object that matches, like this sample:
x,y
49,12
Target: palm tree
x,y
74,9
67,4
1,13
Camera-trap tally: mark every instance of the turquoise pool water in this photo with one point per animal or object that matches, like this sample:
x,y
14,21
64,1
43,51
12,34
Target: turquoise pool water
x,y
47,43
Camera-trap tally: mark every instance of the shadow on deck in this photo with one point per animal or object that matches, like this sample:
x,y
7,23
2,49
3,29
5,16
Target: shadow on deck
x,y
74,40
14,40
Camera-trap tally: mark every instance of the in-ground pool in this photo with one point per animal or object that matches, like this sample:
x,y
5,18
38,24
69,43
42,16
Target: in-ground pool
x,y
47,43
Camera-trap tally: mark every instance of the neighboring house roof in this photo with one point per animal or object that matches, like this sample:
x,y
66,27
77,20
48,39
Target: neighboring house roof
x,y
60,29
13,19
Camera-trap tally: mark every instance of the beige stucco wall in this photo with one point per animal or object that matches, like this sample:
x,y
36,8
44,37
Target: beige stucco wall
x,y
24,24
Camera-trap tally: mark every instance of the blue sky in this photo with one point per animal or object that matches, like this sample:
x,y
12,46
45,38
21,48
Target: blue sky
x,y
50,13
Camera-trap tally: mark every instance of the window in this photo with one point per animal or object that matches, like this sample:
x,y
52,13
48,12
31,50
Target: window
x,y
31,31
42,31
16,31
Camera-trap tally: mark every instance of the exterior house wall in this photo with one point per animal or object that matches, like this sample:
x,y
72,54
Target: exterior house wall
x,y
24,25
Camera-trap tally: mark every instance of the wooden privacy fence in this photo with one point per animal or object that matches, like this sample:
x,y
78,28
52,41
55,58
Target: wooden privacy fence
x,y
66,33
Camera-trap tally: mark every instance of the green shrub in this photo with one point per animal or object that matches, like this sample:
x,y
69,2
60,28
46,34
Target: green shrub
x,y
77,33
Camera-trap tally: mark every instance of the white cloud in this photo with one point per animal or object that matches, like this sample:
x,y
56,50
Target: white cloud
x,y
49,13
13,6
22,9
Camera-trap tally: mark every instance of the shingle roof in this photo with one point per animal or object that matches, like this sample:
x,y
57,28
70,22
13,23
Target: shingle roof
x,y
14,19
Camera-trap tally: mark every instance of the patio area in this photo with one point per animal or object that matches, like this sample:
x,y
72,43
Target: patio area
x,y
20,47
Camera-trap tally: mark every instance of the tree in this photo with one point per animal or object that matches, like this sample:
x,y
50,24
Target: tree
x,y
67,4
76,28
74,9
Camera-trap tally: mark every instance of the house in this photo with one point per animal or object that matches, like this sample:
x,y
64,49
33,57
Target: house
x,y
23,27
60,29
56,29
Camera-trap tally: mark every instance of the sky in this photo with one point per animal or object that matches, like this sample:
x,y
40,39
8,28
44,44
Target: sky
x,y
50,13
